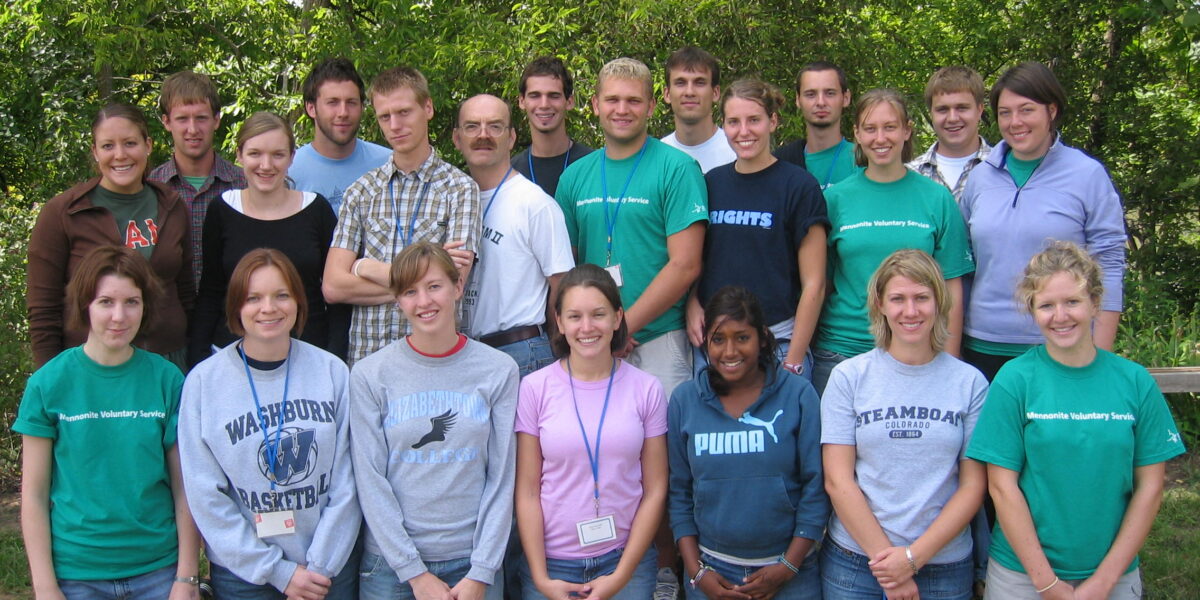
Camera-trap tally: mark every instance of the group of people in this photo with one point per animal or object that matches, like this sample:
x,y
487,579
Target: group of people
x,y
793,372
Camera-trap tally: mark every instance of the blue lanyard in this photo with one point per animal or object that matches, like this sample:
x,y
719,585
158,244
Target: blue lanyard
x,y
488,208
412,219
593,459
611,222
832,163
566,157
272,450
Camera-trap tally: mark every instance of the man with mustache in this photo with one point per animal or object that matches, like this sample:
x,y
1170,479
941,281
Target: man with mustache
x,y
547,94
821,95
524,249
333,99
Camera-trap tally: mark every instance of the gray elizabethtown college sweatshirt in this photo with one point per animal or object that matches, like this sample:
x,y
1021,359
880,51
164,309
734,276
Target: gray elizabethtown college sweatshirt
x,y
435,455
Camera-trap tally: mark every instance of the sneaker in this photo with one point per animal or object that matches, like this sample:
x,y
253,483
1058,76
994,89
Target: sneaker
x,y
666,585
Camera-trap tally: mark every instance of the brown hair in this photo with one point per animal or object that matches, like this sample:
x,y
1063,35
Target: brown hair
x,y
955,78
400,77
691,58
186,87
1060,257
921,269
111,260
262,122
239,287
754,90
1035,81
123,111
589,275
869,101
822,65
414,260
548,66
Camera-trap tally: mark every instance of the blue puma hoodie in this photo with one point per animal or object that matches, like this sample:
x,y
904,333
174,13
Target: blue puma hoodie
x,y
746,486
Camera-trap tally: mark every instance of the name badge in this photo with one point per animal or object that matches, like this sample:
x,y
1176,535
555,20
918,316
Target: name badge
x,y
280,522
615,271
595,531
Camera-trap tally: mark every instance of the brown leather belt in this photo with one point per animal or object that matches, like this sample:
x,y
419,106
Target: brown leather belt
x,y
509,336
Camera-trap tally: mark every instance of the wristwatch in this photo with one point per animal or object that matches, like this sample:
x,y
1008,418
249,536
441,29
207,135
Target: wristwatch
x,y
192,580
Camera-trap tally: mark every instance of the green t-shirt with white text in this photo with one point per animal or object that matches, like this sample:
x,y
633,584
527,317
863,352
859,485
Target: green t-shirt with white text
x,y
666,195
112,514
1074,435
870,221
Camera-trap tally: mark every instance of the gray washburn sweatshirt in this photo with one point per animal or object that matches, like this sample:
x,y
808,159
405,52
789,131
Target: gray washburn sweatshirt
x,y
435,455
225,469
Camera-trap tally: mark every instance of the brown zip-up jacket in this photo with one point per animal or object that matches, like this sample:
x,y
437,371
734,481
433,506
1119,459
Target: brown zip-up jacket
x,y
68,227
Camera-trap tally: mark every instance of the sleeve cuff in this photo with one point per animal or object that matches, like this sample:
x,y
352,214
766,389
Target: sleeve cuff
x,y
811,531
683,529
409,570
281,574
481,574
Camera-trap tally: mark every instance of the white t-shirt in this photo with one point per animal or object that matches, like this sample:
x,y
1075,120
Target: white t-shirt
x,y
713,153
524,242
952,168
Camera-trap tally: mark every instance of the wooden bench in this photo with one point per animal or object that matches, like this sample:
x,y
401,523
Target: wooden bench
x,y
1177,379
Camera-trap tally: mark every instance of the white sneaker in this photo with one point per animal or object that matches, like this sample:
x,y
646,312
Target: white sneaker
x,y
666,585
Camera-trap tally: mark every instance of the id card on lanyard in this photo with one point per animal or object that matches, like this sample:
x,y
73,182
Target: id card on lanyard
x,y
602,528
276,522
610,221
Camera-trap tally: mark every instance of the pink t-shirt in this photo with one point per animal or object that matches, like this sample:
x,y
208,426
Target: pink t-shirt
x,y
637,410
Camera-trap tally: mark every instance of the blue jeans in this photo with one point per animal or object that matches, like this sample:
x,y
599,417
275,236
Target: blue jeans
x,y
845,575
823,363
806,585
531,354
228,586
378,581
154,585
583,570
700,360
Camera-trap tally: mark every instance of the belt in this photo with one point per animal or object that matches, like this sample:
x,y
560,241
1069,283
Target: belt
x,y
509,336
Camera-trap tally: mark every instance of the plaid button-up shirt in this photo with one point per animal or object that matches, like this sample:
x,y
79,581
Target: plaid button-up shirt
x,y
926,164
224,177
385,210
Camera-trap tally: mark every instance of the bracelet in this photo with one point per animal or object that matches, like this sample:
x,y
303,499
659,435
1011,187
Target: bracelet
x,y
192,580
1047,588
699,574
354,268
912,564
787,563
797,368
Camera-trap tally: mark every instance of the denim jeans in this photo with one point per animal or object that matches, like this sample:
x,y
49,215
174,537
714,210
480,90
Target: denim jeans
x,y
823,363
781,350
228,586
531,354
806,585
154,585
583,570
845,575
378,581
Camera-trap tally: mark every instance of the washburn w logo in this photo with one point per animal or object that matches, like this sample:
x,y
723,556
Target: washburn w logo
x,y
297,456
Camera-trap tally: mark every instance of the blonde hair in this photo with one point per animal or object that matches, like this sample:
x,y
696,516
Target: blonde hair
x,y
263,122
868,102
1060,257
626,68
921,269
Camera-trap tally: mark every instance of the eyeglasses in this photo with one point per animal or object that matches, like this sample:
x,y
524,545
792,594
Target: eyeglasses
x,y
493,129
